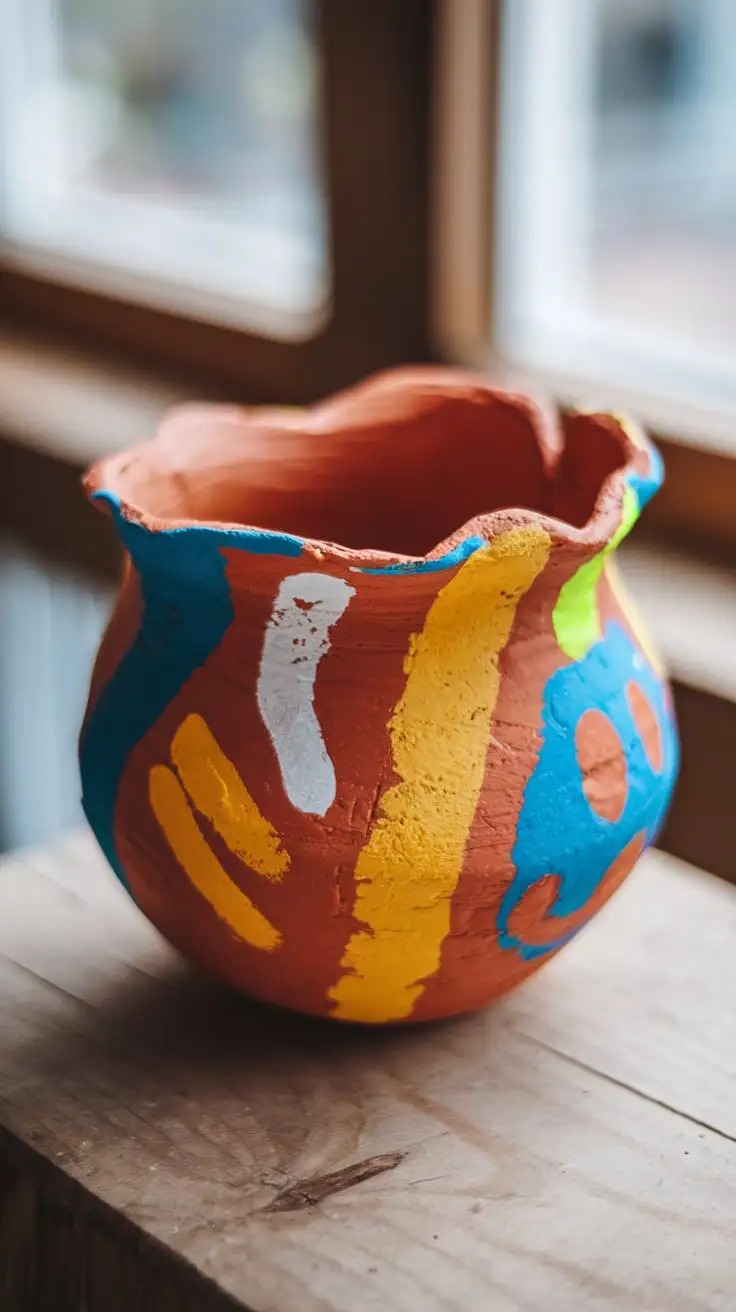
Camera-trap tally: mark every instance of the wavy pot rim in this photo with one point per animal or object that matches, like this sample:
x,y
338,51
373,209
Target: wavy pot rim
x,y
621,496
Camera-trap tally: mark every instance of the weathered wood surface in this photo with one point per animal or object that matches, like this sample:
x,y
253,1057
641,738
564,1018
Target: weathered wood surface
x,y
166,1147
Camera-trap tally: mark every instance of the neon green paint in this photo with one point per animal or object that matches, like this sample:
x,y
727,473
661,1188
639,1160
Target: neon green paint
x,y
575,617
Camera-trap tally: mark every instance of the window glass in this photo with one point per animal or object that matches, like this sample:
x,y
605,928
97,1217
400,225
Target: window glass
x,y
171,147
618,185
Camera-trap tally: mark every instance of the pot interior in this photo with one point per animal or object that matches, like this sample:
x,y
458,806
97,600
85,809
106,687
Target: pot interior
x,y
397,464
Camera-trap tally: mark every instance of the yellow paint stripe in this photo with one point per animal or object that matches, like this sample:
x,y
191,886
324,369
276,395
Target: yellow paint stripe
x,y
219,793
631,613
170,806
408,870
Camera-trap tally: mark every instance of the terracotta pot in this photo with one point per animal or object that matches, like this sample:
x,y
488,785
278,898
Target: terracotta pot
x,y
384,780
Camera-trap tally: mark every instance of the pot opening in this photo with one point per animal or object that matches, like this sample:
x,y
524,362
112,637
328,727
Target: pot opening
x,y
398,464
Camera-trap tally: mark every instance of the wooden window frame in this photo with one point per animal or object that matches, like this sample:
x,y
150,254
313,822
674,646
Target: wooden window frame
x,y
697,505
376,57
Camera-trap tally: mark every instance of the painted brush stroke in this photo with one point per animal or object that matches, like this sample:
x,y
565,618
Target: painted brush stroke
x,y
219,793
440,730
171,809
297,637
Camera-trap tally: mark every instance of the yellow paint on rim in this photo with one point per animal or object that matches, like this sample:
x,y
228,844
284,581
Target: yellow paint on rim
x,y
632,615
628,426
219,793
409,868
171,809
631,429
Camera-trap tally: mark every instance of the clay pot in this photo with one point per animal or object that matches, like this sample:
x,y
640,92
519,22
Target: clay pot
x,y
359,761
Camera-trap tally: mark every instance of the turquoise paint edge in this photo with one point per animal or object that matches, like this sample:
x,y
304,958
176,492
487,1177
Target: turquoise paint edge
x,y
643,486
457,556
646,485
259,541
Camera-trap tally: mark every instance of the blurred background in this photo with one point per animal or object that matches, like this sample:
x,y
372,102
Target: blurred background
x,y
619,149
263,199
169,139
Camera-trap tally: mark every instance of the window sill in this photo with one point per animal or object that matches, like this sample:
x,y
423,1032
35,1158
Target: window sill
x,y
74,408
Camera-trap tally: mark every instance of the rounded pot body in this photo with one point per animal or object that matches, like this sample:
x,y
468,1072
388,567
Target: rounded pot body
x,y
370,785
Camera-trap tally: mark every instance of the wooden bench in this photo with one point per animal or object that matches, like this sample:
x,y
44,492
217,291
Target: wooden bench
x,y
168,1147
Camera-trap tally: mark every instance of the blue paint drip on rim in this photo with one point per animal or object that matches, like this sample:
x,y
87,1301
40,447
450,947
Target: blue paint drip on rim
x,y
457,556
187,609
646,485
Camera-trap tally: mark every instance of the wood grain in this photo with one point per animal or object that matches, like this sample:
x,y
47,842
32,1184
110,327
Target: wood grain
x,y
166,1145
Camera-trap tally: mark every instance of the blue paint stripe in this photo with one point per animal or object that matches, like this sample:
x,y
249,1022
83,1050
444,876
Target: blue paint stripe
x,y
187,609
457,556
646,485
260,541
558,832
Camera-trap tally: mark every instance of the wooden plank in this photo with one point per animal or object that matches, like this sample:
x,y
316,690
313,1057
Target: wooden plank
x,y
643,995
667,940
167,1145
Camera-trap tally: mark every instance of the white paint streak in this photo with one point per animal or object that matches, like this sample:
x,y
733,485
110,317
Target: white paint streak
x,y
297,637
